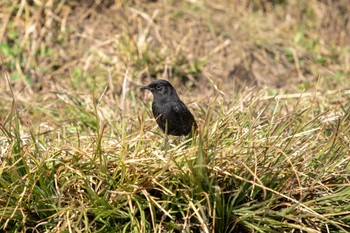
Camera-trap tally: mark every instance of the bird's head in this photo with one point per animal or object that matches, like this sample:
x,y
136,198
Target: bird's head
x,y
161,89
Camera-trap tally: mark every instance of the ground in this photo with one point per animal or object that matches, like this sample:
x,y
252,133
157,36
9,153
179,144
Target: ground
x,y
267,81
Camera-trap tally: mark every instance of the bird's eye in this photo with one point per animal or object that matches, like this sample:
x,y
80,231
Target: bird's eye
x,y
158,87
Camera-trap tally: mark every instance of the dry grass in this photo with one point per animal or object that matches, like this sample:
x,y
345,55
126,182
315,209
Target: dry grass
x,y
268,82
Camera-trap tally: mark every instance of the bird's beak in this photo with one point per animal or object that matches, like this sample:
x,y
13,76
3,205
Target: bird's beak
x,y
146,88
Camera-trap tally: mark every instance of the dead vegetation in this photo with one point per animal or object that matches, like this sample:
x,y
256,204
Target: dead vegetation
x,y
268,82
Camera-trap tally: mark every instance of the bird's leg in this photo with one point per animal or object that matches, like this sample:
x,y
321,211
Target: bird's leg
x,y
165,142
165,136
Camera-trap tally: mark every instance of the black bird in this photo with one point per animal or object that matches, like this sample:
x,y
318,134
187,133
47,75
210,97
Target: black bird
x,y
171,114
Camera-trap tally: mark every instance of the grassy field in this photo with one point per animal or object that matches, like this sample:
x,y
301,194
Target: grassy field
x,y
267,81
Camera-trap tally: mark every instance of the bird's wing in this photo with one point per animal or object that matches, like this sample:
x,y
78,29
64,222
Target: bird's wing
x,y
183,116
175,117
181,111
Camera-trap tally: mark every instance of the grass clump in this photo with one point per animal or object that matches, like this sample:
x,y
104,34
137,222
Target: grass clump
x,y
262,170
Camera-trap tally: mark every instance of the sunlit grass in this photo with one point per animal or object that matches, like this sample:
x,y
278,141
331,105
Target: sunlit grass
x,y
252,166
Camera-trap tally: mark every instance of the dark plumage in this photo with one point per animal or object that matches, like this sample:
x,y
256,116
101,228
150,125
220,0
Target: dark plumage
x,y
171,114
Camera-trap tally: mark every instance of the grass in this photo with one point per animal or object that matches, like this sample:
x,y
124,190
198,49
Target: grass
x,y
80,151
